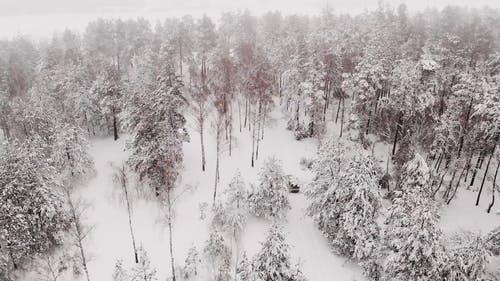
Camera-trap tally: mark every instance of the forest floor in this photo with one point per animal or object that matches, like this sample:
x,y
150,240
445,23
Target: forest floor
x,y
110,239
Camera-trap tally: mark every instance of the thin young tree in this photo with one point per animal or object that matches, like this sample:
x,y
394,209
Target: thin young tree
x,y
121,178
79,231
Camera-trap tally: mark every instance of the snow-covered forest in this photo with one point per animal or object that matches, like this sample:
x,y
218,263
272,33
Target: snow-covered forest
x,y
254,148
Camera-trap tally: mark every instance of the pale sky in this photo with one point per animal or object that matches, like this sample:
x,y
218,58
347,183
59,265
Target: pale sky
x,y
40,18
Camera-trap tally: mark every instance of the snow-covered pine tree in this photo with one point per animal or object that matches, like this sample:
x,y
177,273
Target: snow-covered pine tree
x,y
157,130
273,261
219,255
347,208
73,152
467,257
192,264
270,200
32,214
119,272
327,165
143,271
412,235
493,241
236,206
244,269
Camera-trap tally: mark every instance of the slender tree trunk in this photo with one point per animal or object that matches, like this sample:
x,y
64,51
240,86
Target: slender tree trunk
x,y
446,194
367,130
115,125
79,235
13,260
438,160
203,159
280,86
180,57
170,235
494,188
258,132
467,166
123,178
342,118
462,135
246,112
217,160
253,140
239,113
485,174
263,122
396,134
338,110
439,163
440,184
476,168
230,135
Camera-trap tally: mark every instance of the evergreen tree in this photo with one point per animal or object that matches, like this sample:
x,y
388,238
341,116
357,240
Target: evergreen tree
x,y
143,271
467,257
346,208
120,273
273,260
244,270
270,200
218,254
412,235
192,264
32,216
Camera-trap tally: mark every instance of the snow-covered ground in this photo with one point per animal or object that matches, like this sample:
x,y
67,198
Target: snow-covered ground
x,y
110,238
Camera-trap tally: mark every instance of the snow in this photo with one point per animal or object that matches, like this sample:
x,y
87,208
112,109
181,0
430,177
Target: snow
x,y
110,239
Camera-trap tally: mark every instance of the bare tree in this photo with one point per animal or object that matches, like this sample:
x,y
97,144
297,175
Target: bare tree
x,y
200,95
218,126
169,201
78,230
120,177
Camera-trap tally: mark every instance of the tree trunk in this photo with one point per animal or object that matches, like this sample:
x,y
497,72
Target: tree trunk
x,y
494,187
246,112
439,186
279,89
239,113
230,137
180,57
342,118
79,235
338,110
396,134
13,260
462,135
217,160
485,174
253,140
446,194
115,125
123,178
476,168
367,129
263,122
258,132
170,236
203,159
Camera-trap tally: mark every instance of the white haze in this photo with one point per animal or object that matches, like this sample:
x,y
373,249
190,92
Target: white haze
x,y
42,18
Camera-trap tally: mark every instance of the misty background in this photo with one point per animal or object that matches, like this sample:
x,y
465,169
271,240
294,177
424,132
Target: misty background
x,y
42,18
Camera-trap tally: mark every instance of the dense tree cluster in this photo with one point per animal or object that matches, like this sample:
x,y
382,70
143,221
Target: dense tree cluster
x,y
427,82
